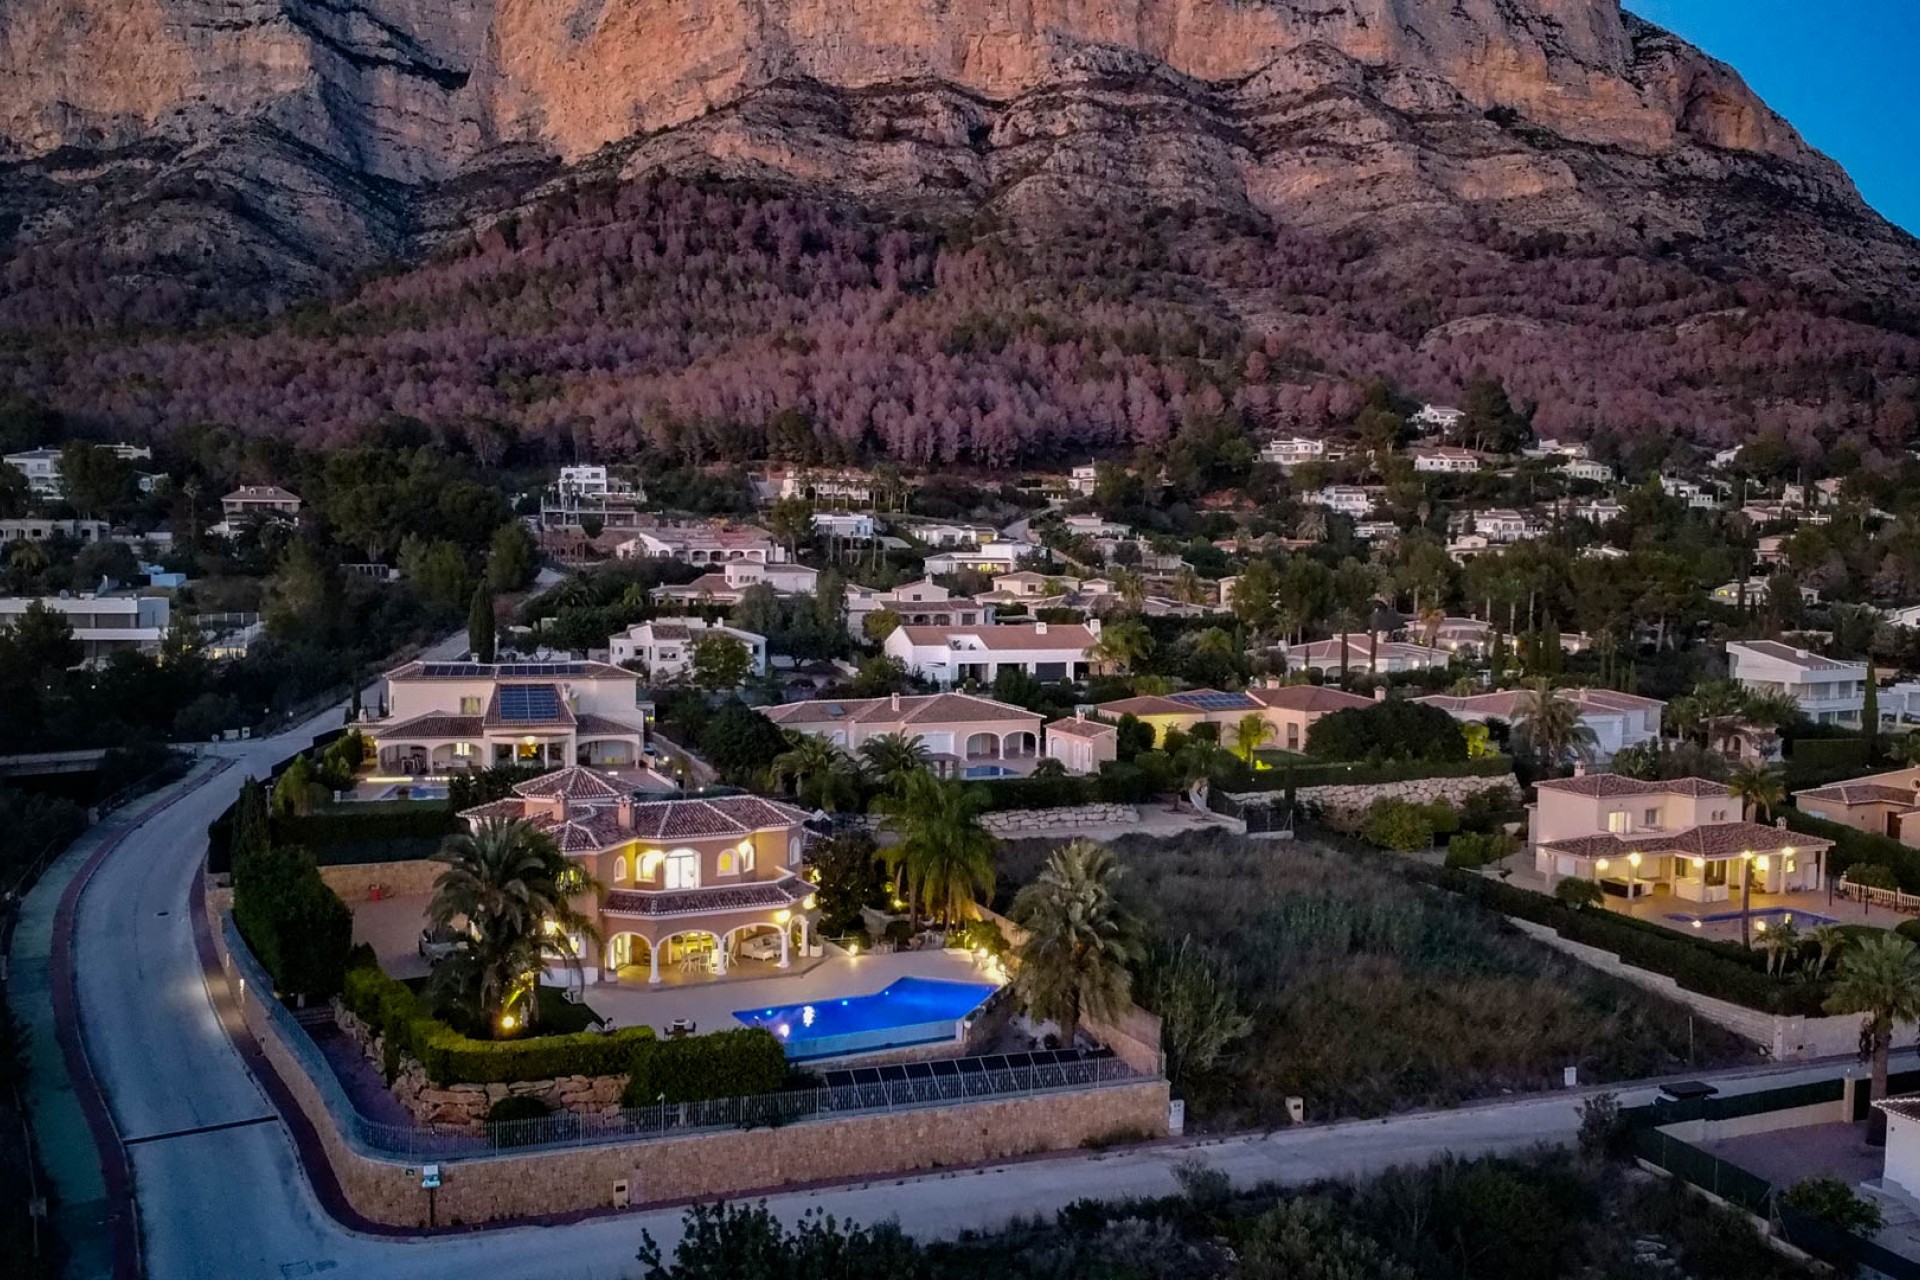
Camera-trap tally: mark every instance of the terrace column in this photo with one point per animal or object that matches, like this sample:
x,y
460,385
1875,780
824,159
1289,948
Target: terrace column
x,y
720,957
786,960
806,936
653,964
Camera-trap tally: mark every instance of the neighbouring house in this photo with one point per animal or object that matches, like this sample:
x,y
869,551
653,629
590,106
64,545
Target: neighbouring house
x,y
1587,469
1685,837
1468,545
1082,744
1496,524
31,530
830,487
1438,417
689,885
1288,709
849,526
988,557
1900,1165
1887,804
1828,690
1376,530
1905,616
1446,458
1082,478
1551,448
922,603
1600,510
1031,585
1468,636
1757,591
1364,653
705,543
1687,491
949,655
103,622
731,582
441,716
1347,499
1617,720
1091,526
665,646
965,735
1288,452
262,501
937,533
41,467
590,492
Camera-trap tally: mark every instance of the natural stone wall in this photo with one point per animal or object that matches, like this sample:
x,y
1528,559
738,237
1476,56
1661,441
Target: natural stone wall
x,y
1354,798
465,1106
1030,822
396,879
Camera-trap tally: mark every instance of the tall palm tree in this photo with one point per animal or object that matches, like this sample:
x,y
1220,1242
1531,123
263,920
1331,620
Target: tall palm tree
x,y
1879,977
1080,940
822,773
1683,716
1551,726
890,757
1759,791
1131,588
1187,588
515,891
1252,733
1122,646
944,856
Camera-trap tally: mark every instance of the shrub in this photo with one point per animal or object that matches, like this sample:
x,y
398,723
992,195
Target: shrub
x,y
413,820
726,1064
1399,825
1909,929
1834,1203
1872,875
1396,729
301,932
1829,753
1851,847
394,1011
977,935
1578,894
1602,1130
1471,850
1039,793
471,789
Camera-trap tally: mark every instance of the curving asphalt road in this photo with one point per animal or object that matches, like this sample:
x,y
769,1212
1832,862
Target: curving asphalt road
x,y
221,1192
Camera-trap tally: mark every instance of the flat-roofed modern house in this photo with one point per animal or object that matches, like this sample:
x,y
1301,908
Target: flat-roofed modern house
x,y
1617,720
1828,690
28,529
1288,709
988,557
1685,837
103,623
444,716
590,492
41,467
966,736
665,646
949,655
692,886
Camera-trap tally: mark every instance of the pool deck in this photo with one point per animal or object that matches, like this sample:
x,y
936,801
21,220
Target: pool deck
x,y
1658,905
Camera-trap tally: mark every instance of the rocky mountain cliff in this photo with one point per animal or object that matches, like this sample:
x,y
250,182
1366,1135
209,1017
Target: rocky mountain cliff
x,y
168,159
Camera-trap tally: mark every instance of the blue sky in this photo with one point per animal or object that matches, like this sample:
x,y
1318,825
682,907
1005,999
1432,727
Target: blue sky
x,y
1840,70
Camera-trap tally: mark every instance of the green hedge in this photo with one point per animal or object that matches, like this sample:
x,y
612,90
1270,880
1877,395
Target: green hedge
x,y
727,1064
1828,753
1363,772
417,820
1851,845
1724,970
394,1011
299,929
1039,793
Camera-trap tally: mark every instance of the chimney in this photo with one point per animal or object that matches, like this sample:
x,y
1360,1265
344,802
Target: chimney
x,y
1380,693
560,807
896,699
1579,768
1039,628
623,812
1080,714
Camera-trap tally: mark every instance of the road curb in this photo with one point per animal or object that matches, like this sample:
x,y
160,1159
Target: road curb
x,y
116,1170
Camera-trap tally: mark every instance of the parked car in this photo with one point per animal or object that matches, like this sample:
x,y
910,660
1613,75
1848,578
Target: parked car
x,y
437,944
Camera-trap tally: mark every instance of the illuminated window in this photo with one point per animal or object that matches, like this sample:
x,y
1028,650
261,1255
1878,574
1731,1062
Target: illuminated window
x,y
463,749
620,869
683,869
470,706
726,862
1617,821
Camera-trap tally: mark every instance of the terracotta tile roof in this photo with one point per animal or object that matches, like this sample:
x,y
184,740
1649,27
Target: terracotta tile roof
x,y
741,897
1907,1108
726,816
1009,636
1074,727
589,722
1613,784
1308,697
1151,704
917,710
511,807
433,724
1862,793
1709,840
576,782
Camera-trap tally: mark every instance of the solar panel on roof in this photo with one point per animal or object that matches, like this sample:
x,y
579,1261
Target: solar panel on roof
x,y
1214,701
529,703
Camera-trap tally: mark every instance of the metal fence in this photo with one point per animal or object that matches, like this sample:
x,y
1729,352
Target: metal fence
x,y
968,1080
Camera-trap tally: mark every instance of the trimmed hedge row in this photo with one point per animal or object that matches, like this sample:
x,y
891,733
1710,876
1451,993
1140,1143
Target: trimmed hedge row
x,y
299,929
1117,783
1361,773
1828,753
739,1063
1723,970
1852,845
418,820
394,1011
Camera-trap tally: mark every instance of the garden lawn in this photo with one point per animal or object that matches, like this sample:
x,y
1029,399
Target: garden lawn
x,y
1370,994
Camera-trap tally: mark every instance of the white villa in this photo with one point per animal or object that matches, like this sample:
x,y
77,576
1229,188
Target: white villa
x,y
1829,690
1082,744
268,500
708,543
1364,652
441,716
28,529
665,646
1288,452
1684,837
41,467
1446,458
988,557
1617,720
837,488
733,578
965,736
102,623
1438,417
591,492
1082,478
921,603
948,655
1347,499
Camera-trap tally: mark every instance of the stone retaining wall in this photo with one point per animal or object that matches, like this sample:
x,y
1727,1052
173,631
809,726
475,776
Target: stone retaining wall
x,y
465,1106
1015,823
1354,798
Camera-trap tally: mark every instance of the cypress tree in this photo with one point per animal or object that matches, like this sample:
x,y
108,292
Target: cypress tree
x,y
480,626
1870,713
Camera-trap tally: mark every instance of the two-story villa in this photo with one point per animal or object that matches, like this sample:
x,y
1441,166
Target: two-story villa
x,y
698,885
965,735
1686,837
1829,690
441,716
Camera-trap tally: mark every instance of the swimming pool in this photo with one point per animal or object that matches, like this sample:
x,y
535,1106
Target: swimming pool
x,y
989,771
1761,915
911,1011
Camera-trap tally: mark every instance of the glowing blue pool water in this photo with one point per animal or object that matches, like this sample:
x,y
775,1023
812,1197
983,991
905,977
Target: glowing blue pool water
x,y
909,1012
1765,915
989,771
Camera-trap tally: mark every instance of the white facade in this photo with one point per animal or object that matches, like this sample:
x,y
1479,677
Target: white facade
x,y
1288,452
30,530
666,646
705,544
990,557
1364,653
1617,720
1083,478
1438,417
1446,460
1587,469
590,491
102,623
1828,690
442,716
41,467
949,655
855,525
1347,499
921,603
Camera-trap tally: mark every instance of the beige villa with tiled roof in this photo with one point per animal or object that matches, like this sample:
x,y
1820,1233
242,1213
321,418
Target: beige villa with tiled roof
x,y
689,884
1887,804
1685,836
443,716
966,736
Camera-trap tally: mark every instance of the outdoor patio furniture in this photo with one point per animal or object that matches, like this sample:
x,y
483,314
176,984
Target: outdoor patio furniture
x,y
681,1027
762,946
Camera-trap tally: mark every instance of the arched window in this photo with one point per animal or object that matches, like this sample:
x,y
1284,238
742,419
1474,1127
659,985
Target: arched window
x,y
725,865
620,869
